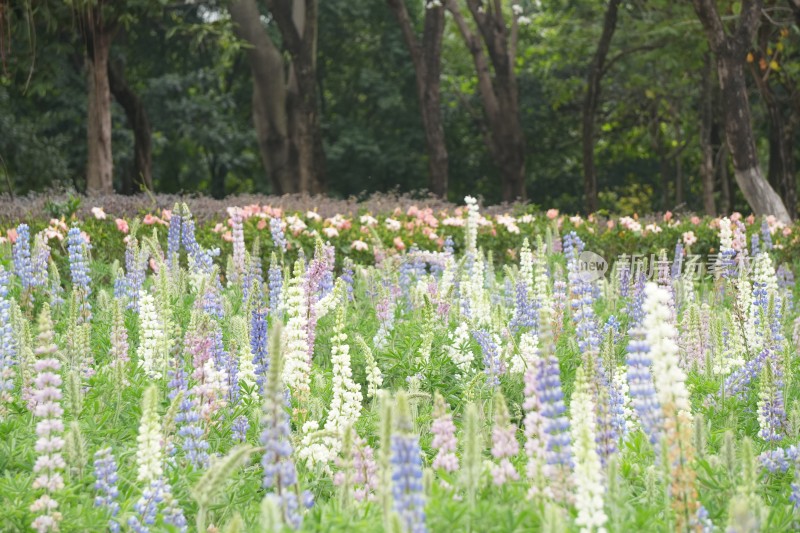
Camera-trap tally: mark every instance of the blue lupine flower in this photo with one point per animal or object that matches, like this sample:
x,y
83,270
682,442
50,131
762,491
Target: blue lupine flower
x,y
105,470
239,428
641,388
23,267
766,235
259,347
409,498
8,345
278,236
492,358
77,247
556,424
275,282
174,240
194,444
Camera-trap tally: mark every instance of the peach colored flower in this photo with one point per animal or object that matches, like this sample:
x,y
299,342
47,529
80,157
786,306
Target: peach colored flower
x,y
219,228
149,220
12,235
667,216
360,246
787,231
153,265
695,220
227,236
98,213
750,219
610,224
166,215
736,216
552,213
399,244
122,225
262,223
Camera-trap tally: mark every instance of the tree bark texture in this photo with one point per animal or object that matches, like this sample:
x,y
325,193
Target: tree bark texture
x,y
591,101
730,51
99,165
706,148
426,58
497,85
285,109
142,177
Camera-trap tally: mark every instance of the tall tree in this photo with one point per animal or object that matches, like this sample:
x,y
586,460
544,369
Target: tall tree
x,y
497,84
99,30
141,176
730,49
426,58
285,107
706,131
591,100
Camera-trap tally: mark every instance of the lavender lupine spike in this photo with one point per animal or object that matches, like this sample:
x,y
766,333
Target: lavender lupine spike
x,y
78,250
21,253
504,443
280,474
174,237
40,259
8,345
444,436
408,496
194,444
239,429
641,388
556,423
259,346
278,236
105,472
135,265
536,438
771,408
275,283
766,235
494,366
238,247
47,408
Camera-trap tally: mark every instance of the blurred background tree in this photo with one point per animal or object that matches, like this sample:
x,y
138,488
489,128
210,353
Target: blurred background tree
x,y
182,100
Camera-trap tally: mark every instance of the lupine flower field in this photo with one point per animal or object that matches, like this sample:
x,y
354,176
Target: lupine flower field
x,y
406,371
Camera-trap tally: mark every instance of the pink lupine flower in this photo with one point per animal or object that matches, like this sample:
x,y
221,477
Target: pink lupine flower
x,y
552,213
122,225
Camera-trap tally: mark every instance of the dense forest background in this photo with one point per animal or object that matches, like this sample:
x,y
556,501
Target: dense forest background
x,y
542,100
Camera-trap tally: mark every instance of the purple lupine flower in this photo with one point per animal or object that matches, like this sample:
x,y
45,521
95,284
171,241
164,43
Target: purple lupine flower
x,y
365,470
147,507
8,344
494,366
79,270
525,311
135,266
259,347
40,260
737,384
105,471
280,473
754,245
409,498
448,245
779,460
635,308
504,445
624,277
677,261
239,428
771,407
172,513
347,276
21,253
174,239
556,423
275,281
194,444
278,236
199,259
211,302
444,437
766,235
641,388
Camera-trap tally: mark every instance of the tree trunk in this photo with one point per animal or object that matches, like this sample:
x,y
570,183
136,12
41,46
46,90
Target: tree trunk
x,y
426,58
730,51
726,200
297,21
706,148
497,86
142,178
100,165
590,103
285,107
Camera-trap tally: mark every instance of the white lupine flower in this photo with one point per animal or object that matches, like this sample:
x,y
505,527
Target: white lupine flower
x,y
661,335
524,356
315,449
152,358
588,473
621,385
297,367
473,217
541,283
392,224
458,348
346,402
148,452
